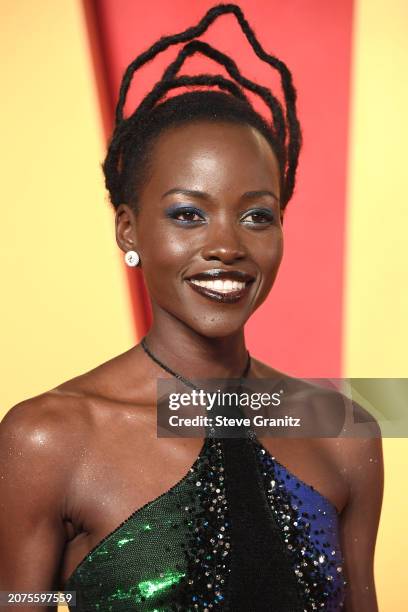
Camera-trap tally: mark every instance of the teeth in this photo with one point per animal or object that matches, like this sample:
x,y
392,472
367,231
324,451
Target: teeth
x,y
223,286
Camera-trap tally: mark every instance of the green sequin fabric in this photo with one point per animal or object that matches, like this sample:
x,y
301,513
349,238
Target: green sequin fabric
x,y
150,562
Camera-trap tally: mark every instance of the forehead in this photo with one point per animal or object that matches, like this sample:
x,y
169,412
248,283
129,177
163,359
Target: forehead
x,y
212,156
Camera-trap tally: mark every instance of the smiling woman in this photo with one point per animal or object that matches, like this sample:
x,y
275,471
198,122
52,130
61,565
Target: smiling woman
x,y
130,521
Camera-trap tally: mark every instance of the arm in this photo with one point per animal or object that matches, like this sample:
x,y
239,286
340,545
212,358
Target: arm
x,y
363,468
32,476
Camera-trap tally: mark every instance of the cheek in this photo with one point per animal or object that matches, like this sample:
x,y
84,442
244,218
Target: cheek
x,y
166,253
270,252
165,256
269,260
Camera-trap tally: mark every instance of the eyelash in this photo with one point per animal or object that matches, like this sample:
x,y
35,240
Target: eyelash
x,y
266,214
174,213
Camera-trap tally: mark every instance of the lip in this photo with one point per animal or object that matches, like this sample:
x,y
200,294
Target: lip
x,y
228,298
220,273
215,273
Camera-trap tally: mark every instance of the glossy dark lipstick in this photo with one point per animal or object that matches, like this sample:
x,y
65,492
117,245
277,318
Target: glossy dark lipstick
x,y
228,286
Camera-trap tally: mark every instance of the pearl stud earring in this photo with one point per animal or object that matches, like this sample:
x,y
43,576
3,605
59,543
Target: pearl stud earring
x,y
132,258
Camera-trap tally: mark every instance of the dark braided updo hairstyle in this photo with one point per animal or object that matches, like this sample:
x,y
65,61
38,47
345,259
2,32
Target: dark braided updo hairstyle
x,y
127,159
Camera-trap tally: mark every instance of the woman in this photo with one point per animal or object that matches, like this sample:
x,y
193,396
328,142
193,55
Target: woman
x,y
131,521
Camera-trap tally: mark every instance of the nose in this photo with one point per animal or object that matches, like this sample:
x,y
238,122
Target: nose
x,y
223,244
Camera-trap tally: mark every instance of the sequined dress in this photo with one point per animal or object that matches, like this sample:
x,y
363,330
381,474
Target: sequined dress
x,y
238,533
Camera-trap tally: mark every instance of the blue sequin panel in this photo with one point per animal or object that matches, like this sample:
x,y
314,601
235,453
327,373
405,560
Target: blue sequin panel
x,y
309,525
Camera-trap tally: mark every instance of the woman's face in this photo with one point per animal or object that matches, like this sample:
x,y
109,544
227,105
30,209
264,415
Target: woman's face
x,y
209,206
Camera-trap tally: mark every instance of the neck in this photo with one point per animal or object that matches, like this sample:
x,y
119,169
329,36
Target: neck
x,y
194,355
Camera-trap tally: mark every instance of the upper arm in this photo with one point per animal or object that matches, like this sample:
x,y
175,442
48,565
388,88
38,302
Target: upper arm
x,y
359,520
32,473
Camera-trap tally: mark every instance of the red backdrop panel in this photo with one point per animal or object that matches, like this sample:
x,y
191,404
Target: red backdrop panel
x,y
299,327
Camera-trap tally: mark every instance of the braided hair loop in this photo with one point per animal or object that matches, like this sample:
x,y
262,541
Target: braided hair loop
x,y
128,152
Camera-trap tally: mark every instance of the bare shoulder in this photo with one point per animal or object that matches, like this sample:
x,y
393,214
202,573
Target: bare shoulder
x,y
44,428
39,442
60,420
356,447
55,422
59,423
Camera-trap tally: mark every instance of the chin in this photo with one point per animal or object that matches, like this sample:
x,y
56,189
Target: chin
x,y
217,327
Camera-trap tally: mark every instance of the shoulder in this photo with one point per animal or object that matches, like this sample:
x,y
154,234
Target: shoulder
x,y
44,428
53,423
39,442
61,419
38,445
42,440
325,401
355,446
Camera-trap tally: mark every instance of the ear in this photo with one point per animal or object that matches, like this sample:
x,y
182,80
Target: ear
x,y
125,228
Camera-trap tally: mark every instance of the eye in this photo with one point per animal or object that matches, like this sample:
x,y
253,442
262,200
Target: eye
x,y
259,216
186,214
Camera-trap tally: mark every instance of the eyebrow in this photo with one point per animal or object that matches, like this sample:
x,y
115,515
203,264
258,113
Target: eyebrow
x,y
196,193
249,195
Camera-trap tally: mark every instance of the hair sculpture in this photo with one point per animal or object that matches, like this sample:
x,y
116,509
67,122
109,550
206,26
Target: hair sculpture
x,y
128,153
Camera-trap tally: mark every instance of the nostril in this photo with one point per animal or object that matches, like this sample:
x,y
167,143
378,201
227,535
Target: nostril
x,y
227,256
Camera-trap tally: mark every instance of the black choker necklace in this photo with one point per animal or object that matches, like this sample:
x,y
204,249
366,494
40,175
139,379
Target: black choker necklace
x,y
179,376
